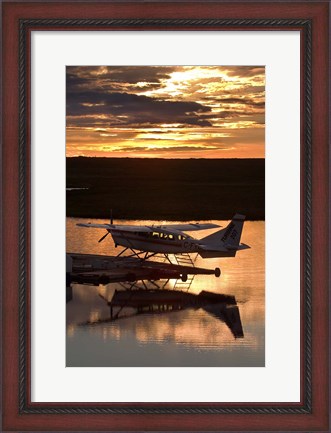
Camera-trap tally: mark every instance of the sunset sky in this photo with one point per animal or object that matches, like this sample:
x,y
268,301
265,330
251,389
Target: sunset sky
x,y
166,111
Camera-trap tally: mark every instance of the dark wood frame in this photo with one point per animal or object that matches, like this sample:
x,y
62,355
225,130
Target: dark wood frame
x,y
19,19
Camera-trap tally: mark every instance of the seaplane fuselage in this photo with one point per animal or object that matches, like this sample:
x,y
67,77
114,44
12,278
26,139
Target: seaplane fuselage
x,y
154,241
171,239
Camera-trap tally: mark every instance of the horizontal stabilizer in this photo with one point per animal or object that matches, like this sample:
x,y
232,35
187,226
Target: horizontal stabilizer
x,y
237,247
243,247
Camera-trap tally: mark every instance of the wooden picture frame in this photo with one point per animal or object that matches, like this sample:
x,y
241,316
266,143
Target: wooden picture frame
x,y
19,20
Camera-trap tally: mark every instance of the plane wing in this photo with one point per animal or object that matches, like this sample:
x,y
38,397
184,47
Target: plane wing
x,y
176,227
188,227
95,226
127,228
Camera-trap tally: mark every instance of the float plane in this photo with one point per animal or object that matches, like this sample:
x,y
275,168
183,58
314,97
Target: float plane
x,y
173,239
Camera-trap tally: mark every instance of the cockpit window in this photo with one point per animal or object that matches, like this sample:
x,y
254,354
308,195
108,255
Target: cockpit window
x,y
164,236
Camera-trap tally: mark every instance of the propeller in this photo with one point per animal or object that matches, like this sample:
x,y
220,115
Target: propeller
x,y
111,222
103,237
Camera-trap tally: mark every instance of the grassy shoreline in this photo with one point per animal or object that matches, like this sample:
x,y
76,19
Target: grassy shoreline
x,y
166,189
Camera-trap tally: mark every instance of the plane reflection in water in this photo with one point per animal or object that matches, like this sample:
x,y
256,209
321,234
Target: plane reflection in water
x,y
127,303
161,332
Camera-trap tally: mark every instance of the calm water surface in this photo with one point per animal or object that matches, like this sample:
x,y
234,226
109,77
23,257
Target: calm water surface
x,y
191,337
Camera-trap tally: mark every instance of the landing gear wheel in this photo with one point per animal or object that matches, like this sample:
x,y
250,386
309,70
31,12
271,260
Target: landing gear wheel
x,y
184,278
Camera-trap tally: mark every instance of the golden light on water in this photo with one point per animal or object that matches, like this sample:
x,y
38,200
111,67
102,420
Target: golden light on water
x,y
166,111
190,327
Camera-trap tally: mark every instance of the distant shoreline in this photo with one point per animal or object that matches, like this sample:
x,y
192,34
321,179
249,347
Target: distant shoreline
x,y
165,189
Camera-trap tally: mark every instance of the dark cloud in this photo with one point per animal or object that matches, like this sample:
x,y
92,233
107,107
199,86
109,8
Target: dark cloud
x,y
245,71
156,131
124,74
162,149
244,101
137,109
115,78
248,101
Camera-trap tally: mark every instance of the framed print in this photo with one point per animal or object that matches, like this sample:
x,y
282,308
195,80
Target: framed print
x,y
167,164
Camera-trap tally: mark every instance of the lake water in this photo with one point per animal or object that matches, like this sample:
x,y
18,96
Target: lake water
x,y
190,337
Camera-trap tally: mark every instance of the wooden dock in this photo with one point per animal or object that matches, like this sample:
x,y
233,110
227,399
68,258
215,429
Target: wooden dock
x,y
96,269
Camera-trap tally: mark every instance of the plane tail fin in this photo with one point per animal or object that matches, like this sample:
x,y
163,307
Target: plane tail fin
x,y
229,237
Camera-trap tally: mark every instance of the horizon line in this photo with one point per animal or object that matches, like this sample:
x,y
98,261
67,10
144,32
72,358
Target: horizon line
x,y
152,157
